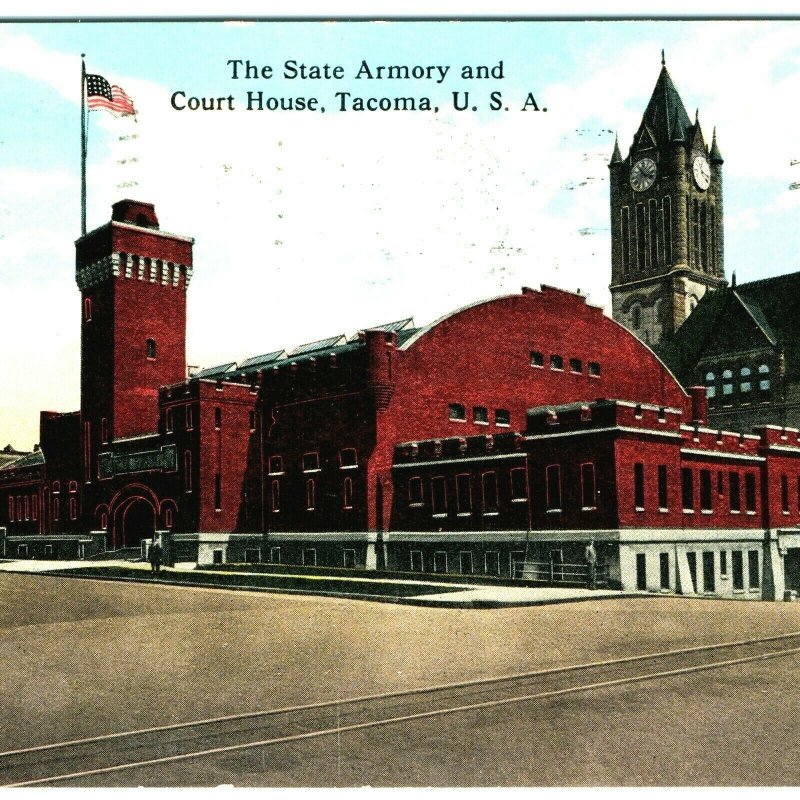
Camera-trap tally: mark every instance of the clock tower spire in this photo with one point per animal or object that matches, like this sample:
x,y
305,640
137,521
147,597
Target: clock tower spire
x,y
666,218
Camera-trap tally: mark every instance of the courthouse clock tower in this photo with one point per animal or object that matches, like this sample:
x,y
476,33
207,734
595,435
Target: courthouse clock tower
x,y
666,219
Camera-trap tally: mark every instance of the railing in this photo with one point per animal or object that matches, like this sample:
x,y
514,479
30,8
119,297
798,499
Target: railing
x,y
557,573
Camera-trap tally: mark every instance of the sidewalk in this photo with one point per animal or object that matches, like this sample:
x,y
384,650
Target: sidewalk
x,y
454,595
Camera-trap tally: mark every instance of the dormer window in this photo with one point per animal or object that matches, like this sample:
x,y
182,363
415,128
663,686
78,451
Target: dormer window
x,y
151,348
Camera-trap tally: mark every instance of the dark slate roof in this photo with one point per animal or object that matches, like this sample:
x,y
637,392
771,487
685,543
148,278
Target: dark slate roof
x,y
665,109
772,303
34,459
404,328
215,372
322,344
394,327
263,360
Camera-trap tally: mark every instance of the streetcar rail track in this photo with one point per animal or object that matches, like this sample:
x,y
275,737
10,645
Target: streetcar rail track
x,y
320,731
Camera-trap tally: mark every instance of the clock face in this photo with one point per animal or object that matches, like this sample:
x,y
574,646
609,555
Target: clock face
x,y
643,174
702,172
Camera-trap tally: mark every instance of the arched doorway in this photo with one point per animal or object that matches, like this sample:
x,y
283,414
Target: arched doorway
x,y
138,521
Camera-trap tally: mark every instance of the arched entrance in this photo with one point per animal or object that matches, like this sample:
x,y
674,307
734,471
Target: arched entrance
x,y
134,520
132,515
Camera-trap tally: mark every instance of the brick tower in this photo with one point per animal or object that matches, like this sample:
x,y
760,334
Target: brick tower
x,y
133,279
666,219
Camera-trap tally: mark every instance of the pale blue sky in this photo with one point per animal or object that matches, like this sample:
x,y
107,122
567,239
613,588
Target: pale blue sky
x,y
309,225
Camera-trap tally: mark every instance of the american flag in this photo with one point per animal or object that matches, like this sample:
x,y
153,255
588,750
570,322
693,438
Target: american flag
x,y
101,94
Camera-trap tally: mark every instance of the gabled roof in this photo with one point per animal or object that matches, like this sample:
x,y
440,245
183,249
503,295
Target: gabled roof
x,y
322,344
773,304
214,372
34,459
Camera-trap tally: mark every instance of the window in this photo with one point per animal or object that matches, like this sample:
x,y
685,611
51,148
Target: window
x,y
463,494
594,369
310,494
48,550
168,518
588,496
763,382
275,465
687,489
19,509
553,475
35,507
187,471
746,386
750,492
275,555
252,415
735,492
56,509
753,572
73,508
22,550
218,491
415,491
705,490
502,417
663,498
784,494
347,457
311,462
10,509
189,418
465,562
348,558
151,348
457,412
439,495
87,309
638,486
489,481
491,561
723,563
519,485
556,362
575,365
309,557
440,561
737,566
168,422
416,561
252,555
537,359
275,496
664,565
217,418
56,487
709,582
28,508
480,415
347,493
727,386
711,388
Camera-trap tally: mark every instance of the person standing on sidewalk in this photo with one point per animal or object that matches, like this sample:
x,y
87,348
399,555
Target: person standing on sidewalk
x,y
155,556
590,554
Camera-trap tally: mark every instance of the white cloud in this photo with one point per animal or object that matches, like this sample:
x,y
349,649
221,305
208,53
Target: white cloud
x,y
310,225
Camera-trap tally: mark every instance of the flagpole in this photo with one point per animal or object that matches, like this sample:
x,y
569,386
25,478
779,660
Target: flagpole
x,y
83,145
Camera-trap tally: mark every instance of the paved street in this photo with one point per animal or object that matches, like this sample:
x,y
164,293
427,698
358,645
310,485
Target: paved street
x,y
90,657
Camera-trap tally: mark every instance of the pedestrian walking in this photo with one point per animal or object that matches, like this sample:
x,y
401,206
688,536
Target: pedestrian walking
x,y
590,554
155,557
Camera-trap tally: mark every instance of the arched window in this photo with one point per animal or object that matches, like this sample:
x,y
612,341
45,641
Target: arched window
x,y
168,518
87,309
727,385
746,386
310,494
711,386
151,348
764,385
276,495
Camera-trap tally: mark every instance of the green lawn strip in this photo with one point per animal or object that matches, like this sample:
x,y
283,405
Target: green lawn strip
x,y
311,583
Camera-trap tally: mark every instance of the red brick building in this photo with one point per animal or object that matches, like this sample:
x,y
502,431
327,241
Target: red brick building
x,y
471,445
